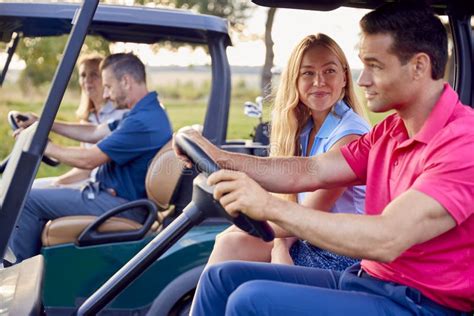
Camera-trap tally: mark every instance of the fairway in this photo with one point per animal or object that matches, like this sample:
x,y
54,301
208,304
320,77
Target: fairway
x,y
181,113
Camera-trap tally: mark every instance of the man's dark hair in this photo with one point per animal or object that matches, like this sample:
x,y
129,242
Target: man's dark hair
x,y
125,63
414,29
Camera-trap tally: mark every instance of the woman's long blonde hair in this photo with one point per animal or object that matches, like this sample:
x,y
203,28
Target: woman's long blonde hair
x,y
289,115
86,106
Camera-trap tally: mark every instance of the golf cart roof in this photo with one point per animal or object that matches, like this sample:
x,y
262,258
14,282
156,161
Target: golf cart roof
x,y
440,6
114,23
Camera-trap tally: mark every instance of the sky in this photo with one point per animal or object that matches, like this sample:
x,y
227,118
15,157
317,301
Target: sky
x,y
290,26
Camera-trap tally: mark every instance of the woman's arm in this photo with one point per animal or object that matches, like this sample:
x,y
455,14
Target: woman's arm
x,y
322,199
83,132
72,176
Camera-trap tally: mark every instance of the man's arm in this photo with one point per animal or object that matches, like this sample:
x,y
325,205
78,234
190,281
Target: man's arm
x,y
321,199
410,219
324,199
294,174
83,132
79,157
283,175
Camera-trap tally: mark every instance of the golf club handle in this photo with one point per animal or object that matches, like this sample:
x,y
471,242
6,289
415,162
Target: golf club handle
x,y
141,261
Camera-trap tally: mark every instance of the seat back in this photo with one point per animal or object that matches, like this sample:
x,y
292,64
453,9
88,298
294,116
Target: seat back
x,y
167,183
163,177
162,181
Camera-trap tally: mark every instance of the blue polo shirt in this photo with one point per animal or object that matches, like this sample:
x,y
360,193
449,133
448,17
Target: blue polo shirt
x,y
134,141
340,122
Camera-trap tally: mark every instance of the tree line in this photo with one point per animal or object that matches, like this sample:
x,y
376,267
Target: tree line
x,y
41,55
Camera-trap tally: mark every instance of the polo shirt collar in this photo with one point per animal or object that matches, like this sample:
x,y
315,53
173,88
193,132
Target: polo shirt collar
x,y
330,122
439,116
147,99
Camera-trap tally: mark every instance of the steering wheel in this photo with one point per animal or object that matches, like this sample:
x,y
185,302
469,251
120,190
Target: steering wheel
x,y
15,115
205,164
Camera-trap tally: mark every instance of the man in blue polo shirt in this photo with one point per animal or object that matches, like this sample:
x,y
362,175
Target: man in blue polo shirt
x,y
123,150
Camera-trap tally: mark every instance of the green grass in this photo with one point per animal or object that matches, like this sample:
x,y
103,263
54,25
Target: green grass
x,y
184,113
374,118
181,113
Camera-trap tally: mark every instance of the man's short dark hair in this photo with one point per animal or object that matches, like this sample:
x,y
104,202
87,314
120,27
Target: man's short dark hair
x,y
414,28
125,63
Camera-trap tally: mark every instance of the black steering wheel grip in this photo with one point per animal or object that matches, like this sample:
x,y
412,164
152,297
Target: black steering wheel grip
x,y
12,117
206,164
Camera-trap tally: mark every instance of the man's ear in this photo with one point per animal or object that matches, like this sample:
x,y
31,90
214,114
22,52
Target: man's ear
x,y
421,65
126,81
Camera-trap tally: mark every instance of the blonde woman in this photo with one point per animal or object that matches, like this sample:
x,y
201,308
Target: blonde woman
x,y
92,109
315,111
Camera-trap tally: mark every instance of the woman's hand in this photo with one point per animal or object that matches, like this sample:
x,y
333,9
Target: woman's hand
x,y
281,250
23,120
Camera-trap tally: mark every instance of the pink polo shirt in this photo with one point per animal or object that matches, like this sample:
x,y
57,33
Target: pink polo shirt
x,y
438,161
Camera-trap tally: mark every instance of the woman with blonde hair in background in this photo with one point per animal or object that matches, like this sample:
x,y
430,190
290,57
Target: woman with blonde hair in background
x,y
92,109
315,111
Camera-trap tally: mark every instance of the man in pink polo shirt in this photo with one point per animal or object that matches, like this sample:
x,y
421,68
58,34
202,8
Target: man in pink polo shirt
x,y
417,239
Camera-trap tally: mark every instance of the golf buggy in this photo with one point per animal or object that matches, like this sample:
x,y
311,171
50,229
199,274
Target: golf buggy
x,y
459,75
459,14
80,253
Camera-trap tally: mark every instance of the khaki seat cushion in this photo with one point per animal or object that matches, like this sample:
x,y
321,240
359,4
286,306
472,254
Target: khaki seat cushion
x,y
161,181
67,229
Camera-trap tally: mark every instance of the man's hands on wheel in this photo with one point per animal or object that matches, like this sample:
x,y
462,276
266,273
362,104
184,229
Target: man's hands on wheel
x,y
195,134
237,192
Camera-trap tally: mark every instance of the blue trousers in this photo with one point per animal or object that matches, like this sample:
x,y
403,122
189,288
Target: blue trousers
x,y
43,205
245,288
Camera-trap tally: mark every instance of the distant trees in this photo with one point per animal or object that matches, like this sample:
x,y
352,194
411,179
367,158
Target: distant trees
x,y
42,55
235,11
266,80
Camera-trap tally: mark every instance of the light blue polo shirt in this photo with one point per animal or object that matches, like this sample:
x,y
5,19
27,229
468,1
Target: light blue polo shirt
x,y
108,113
340,122
134,141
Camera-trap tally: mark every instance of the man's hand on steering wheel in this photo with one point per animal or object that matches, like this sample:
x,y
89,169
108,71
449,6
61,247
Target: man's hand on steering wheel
x,y
237,192
195,134
204,163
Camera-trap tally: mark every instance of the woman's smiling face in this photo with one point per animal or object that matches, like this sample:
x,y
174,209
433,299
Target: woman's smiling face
x,y
321,79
